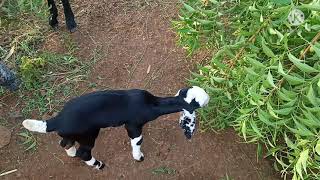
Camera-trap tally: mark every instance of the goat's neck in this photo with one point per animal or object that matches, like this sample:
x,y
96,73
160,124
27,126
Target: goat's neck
x,y
167,105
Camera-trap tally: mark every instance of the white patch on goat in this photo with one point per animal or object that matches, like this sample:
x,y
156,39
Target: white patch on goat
x,y
185,113
136,152
177,93
35,125
91,161
198,94
71,151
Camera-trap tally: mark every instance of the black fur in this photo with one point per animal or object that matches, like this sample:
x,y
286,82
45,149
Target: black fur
x,y
82,117
69,16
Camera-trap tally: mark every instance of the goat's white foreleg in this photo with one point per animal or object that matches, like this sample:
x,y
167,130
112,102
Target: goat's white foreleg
x,y
136,148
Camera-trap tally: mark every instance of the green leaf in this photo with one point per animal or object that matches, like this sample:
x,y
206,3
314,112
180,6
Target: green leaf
x,y
317,148
313,7
302,162
218,79
310,120
303,130
284,96
33,145
204,22
316,49
270,109
280,68
255,63
302,66
243,130
289,142
281,2
259,151
284,111
255,128
293,80
312,97
270,79
188,7
263,116
266,49
250,71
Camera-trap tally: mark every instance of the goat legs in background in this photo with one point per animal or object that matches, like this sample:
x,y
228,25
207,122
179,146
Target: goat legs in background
x,y
53,21
135,134
71,24
69,16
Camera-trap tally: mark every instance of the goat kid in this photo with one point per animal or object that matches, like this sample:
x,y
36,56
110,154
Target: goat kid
x,y
82,118
68,14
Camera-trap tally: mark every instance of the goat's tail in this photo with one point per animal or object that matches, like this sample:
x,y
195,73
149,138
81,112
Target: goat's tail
x,y
39,126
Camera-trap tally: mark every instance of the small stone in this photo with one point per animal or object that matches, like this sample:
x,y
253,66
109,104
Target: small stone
x,y
5,136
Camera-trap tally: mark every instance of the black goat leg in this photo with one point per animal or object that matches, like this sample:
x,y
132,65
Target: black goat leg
x,y
70,22
53,21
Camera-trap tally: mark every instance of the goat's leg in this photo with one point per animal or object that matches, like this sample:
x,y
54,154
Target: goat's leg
x,y
84,152
53,21
135,134
87,141
70,22
69,146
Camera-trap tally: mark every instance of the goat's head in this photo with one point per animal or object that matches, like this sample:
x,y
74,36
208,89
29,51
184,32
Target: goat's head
x,y
195,97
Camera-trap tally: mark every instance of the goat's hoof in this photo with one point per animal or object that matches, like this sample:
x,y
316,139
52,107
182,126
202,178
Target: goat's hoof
x,y
141,159
100,166
72,26
53,23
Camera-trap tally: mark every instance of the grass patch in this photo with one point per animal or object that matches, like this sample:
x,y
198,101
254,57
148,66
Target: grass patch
x,y
29,141
163,170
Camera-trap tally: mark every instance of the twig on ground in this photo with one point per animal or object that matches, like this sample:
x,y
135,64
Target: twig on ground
x,y
8,172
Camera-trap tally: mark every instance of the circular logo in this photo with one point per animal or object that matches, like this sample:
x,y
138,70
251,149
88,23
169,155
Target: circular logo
x,y
296,17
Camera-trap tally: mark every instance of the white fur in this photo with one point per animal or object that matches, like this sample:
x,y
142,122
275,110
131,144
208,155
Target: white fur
x,y
178,93
136,152
35,125
71,151
198,94
186,113
91,161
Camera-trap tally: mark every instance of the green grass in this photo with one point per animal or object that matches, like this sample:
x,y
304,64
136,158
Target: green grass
x,y
28,140
163,170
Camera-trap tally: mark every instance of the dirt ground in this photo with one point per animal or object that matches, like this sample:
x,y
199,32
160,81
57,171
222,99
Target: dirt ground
x,y
132,37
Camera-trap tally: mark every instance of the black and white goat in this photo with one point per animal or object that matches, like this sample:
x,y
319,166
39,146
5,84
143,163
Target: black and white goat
x,y
82,117
68,14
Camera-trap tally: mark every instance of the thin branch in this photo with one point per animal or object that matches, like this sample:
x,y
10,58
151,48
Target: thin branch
x,y
8,172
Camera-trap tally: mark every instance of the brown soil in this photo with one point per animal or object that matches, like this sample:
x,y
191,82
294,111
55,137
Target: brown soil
x,y
132,37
